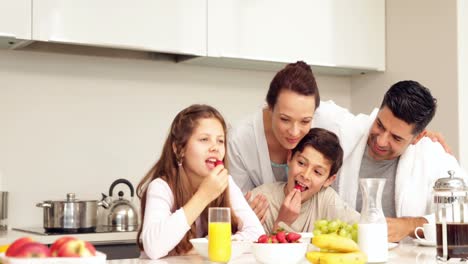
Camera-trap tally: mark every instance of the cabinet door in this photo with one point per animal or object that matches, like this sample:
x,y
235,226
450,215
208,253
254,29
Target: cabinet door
x,y
337,33
174,26
15,21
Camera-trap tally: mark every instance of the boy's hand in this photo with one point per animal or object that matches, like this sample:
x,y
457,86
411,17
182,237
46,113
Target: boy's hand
x,y
259,205
290,208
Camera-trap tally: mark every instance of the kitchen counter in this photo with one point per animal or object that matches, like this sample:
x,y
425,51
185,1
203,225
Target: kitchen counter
x,y
407,252
6,237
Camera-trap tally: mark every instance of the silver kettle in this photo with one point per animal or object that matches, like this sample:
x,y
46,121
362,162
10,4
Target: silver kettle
x,y
122,214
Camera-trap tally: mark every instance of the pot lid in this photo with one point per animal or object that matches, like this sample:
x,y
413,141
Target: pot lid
x,y
71,198
450,183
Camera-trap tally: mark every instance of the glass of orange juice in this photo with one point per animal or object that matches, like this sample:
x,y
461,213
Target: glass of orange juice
x,y
219,234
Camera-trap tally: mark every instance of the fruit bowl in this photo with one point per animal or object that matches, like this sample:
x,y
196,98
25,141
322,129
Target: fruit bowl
x,y
237,247
100,258
285,253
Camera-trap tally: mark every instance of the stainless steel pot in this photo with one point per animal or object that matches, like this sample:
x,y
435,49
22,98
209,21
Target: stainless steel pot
x,y
71,215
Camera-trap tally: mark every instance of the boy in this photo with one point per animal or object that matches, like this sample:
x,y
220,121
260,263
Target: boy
x,y
305,197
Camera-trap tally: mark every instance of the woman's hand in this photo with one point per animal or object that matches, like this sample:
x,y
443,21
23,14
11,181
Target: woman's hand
x,y
259,205
290,208
438,137
215,183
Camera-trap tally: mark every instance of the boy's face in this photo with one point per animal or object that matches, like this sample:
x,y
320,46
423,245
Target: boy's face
x,y
309,171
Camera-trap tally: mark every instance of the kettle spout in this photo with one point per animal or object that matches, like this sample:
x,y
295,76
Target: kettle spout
x,y
105,201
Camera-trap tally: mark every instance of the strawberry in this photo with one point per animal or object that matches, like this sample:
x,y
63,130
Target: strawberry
x,y
263,239
218,162
293,237
273,239
281,236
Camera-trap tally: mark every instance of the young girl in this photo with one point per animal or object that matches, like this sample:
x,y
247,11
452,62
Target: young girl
x,y
187,180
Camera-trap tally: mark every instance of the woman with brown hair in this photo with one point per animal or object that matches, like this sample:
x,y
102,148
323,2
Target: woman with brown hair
x,y
259,146
187,179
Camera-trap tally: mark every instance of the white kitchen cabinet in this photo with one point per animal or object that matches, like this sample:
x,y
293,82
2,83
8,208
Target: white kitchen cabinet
x,y
347,34
15,22
172,26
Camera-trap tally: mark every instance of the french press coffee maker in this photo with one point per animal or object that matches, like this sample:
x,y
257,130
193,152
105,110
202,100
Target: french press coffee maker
x,y
451,201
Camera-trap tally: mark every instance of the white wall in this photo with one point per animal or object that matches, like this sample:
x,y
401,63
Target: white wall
x,y
421,45
75,123
462,16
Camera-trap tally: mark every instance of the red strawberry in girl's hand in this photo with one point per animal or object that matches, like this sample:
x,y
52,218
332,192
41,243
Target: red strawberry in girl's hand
x,y
218,162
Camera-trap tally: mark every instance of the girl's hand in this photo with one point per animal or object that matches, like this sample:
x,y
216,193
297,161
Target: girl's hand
x,y
215,183
290,208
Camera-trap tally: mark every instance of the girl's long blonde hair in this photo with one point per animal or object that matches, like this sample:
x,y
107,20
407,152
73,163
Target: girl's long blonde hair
x,y
167,168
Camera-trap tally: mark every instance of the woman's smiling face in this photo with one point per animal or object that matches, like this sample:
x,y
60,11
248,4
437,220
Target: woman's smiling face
x,y
309,171
292,117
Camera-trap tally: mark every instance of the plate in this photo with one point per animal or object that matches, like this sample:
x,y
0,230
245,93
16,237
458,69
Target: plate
x,y
424,242
392,245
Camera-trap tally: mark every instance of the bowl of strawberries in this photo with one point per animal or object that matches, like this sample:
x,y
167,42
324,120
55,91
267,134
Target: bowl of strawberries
x,y
279,247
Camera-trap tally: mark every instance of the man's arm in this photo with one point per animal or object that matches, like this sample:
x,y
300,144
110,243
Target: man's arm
x,y
399,228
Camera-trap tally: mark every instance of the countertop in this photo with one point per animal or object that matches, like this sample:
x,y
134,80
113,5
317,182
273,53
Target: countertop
x,y
7,237
407,252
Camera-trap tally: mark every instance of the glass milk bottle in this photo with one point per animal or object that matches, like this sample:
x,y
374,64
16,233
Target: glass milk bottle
x,y
372,228
451,201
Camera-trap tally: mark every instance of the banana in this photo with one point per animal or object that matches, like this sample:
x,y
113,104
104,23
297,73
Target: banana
x,y
335,243
316,257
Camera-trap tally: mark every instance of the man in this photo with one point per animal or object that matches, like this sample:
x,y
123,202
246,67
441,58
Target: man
x,y
390,144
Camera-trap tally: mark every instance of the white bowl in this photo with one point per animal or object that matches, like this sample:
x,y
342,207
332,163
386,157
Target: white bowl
x,y
237,247
306,237
287,253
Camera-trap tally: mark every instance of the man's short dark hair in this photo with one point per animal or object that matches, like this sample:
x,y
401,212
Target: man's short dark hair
x,y
411,102
325,142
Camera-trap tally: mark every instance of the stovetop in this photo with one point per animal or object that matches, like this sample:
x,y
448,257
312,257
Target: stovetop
x,y
42,231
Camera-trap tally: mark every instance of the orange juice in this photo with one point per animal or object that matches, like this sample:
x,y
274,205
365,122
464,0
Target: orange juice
x,y
219,241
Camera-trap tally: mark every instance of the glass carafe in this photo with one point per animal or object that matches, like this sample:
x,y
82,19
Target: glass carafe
x,y
372,228
450,198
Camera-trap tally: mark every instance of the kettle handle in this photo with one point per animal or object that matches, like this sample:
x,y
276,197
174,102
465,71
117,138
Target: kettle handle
x,y
129,184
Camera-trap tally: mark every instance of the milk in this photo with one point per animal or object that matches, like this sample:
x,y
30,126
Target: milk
x,y
373,241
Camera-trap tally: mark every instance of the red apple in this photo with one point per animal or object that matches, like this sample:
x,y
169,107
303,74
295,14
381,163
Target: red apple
x,y
11,251
32,250
76,248
54,248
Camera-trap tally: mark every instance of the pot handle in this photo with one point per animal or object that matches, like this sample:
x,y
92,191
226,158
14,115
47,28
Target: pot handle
x,y
129,184
44,205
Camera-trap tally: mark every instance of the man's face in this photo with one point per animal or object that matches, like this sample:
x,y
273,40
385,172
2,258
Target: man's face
x,y
389,136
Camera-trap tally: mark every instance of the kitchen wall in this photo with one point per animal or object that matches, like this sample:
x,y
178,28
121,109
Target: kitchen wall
x,y
421,45
462,16
75,123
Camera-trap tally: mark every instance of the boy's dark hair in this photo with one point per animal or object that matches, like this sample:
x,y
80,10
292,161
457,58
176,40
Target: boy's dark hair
x,y
412,103
325,142
296,77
